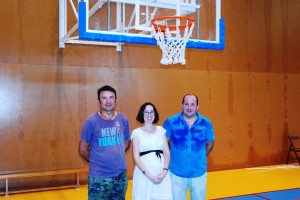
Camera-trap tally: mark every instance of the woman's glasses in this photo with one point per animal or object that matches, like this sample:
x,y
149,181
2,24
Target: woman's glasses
x,y
149,113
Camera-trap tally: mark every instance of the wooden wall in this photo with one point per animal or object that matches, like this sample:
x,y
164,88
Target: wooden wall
x,y
250,90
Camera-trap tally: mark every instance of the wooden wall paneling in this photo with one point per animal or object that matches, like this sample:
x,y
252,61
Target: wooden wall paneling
x,y
237,33
239,119
291,39
275,36
41,16
50,121
217,104
9,34
259,116
198,59
292,104
10,122
139,56
275,124
256,35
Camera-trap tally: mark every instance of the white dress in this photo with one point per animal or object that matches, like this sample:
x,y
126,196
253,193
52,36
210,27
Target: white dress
x,y
143,188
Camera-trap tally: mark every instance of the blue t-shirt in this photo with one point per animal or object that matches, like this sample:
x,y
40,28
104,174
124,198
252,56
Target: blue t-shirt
x,y
188,145
107,149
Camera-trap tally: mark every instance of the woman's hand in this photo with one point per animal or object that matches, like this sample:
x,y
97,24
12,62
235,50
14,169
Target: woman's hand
x,y
162,175
155,179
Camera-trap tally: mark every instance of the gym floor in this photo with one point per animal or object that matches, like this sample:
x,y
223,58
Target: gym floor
x,y
280,182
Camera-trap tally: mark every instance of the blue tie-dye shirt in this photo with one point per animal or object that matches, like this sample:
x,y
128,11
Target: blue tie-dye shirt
x,y
188,145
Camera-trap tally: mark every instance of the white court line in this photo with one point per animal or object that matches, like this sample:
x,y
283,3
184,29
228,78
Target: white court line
x,y
274,168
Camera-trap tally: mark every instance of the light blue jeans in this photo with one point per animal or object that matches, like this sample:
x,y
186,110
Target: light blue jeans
x,y
197,187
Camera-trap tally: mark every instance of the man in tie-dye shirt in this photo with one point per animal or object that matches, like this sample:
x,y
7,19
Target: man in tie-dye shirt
x,y
191,138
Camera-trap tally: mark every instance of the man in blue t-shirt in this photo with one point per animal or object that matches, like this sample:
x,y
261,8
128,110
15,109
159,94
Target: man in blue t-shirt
x,y
105,137
191,138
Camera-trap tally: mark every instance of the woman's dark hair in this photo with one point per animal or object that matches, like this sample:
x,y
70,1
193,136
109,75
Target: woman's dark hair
x,y
106,88
140,115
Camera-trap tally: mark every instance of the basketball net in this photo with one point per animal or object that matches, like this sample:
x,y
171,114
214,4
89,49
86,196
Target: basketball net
x,y
170,42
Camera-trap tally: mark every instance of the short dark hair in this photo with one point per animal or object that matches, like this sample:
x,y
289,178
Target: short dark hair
x,y
188,95
140,115
106,88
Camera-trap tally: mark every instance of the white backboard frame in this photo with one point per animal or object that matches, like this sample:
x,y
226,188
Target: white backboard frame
x,y
120,34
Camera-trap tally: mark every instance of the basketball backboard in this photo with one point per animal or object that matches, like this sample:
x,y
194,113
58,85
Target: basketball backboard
x,y
117,22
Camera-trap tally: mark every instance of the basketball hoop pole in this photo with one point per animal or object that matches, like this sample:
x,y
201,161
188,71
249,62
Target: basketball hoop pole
x,y
218,17
108,15
198,21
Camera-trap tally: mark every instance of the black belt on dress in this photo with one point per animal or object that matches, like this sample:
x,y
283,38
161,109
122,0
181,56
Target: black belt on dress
x,y
157,152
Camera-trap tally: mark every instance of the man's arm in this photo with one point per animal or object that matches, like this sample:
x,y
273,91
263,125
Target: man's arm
x,y
209,147
127,145
84,150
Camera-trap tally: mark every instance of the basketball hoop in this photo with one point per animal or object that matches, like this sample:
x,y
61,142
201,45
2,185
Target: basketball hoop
x,y
168,37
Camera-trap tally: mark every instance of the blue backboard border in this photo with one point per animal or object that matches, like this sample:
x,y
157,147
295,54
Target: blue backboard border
x,y
104,36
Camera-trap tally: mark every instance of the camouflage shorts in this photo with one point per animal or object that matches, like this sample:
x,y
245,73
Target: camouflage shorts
x,y
113,188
